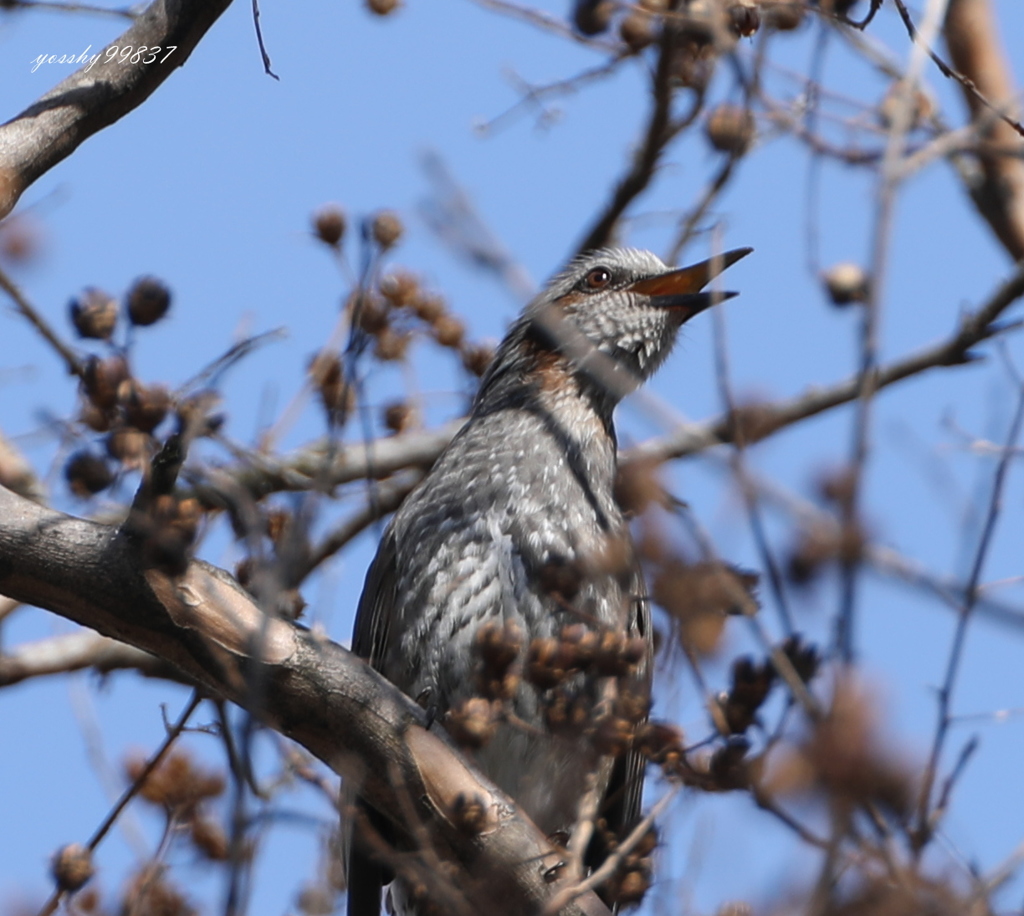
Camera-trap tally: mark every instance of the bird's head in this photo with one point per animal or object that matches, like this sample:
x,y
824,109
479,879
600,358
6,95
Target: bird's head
x,y
625,304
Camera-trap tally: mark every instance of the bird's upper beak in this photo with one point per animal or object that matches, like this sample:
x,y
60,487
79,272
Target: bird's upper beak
x,y
681,289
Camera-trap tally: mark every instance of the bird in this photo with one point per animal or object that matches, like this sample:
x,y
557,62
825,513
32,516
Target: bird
x,y
515,534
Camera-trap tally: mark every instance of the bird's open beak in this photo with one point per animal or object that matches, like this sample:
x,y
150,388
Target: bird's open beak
x,y
681,289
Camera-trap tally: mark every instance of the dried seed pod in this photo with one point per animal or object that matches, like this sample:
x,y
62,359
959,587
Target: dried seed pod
x,y
476,358
629,888
144,407
21,239
847,757
579,645
177,784
337,396
804,658
566,711
382,7
329,225
97,420
498,647
368,311
386,229
660,743
87,474
612,735
837,486
400,288
129,446
94,314
592,17
392,345
751,684
449,331
209,838
699,597
753,421
148,301
730,129
633,702
473,722
637,486
744,19
613,656
279,525
693,63
548,663
149,891
783,15
706,23
728,766
428,307
815,546
638,29
846,283
72,867
836,7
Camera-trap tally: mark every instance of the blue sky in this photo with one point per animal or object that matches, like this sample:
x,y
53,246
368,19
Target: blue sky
x,y
210,186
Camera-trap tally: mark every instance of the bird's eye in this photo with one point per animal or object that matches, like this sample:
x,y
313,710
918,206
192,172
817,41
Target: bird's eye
x,y
598,278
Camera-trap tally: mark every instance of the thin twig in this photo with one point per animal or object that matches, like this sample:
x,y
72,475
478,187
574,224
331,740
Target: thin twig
x,y
888,182
948,72
26,309
597,877
154,761
925,819
259,39
739,467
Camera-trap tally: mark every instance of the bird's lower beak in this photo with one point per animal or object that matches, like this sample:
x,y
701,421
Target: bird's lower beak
x,y
681,289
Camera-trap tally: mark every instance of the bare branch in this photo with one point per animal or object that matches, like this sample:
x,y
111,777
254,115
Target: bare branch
x,y
28,311
972,37
77,651
100,92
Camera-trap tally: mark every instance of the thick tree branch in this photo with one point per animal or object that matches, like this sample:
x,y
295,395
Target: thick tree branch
x,y
97,95
972,37
309,688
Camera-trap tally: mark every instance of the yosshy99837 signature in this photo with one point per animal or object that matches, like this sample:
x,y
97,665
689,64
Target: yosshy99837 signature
x,y
122,54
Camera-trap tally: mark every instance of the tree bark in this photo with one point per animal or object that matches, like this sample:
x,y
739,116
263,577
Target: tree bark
x,y
96,96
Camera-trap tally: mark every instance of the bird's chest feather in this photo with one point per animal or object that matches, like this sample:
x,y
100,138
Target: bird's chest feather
x,y
519,504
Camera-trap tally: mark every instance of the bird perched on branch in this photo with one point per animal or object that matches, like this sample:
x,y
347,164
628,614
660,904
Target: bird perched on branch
x,y
505,596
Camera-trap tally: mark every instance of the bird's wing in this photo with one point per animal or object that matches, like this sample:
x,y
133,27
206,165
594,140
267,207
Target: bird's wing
x,y
626,786
635,763
366,877
376,605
